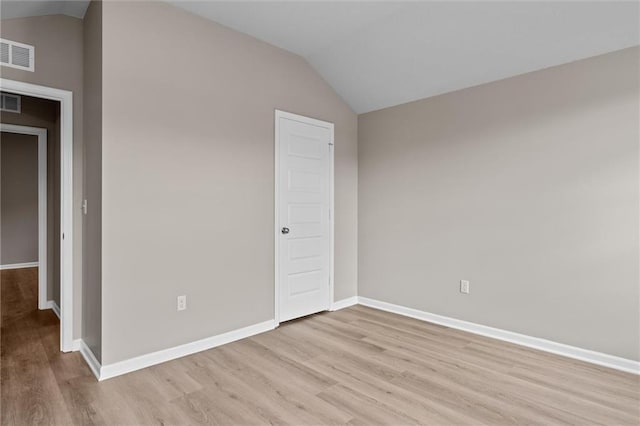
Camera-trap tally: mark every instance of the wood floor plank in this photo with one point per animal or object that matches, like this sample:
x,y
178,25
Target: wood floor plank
x,y
387,393
356,366
274,401
292,393
364,407
203,407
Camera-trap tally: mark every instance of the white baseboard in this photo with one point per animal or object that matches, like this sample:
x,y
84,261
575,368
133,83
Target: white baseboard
x,y
90,358
76,345
51,304
143,361
344,303
19,265
587,355
56,309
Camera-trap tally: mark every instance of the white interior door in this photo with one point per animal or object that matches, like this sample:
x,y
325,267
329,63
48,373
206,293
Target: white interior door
x,y
304,194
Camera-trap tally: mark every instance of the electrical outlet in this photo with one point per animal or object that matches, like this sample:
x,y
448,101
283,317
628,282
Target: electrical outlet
x,y
182,303
464,286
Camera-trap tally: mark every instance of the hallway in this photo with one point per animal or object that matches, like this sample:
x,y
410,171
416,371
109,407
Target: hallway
x,y
32,365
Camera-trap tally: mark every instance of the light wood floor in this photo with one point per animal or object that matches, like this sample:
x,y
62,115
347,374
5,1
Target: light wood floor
x,y
356,366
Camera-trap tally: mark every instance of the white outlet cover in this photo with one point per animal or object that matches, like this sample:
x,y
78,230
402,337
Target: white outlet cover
x,y
464,286
182,303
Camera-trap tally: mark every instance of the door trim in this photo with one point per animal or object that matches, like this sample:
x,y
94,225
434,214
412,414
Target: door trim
x,y
65,97
41,134
307,120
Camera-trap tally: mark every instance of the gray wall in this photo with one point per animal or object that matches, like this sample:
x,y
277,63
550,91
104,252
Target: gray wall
x,y
46,114
19,198
92,291
528,187
188,176
58,63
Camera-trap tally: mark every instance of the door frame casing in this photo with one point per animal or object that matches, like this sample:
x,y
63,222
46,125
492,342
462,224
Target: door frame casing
x,y
65,97
315,122
41,134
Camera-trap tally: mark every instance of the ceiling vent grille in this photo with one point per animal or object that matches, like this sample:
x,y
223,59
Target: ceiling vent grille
x,y
17,55
10,103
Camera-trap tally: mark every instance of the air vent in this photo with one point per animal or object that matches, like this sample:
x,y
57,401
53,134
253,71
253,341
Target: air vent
x,y
9,103
17,55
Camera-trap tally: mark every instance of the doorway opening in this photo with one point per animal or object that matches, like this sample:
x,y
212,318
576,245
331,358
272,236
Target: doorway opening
x,y
47,112
24,216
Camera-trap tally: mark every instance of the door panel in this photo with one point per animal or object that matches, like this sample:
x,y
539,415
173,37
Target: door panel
x,y
304,202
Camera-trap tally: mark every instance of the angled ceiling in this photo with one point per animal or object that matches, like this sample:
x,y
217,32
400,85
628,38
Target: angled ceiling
x,y
379,54
21,9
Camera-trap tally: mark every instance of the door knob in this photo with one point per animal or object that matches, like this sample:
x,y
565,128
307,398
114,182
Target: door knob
x,y
285,230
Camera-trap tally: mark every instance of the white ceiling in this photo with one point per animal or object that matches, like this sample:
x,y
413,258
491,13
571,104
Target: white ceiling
x,y
378,54
20,9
